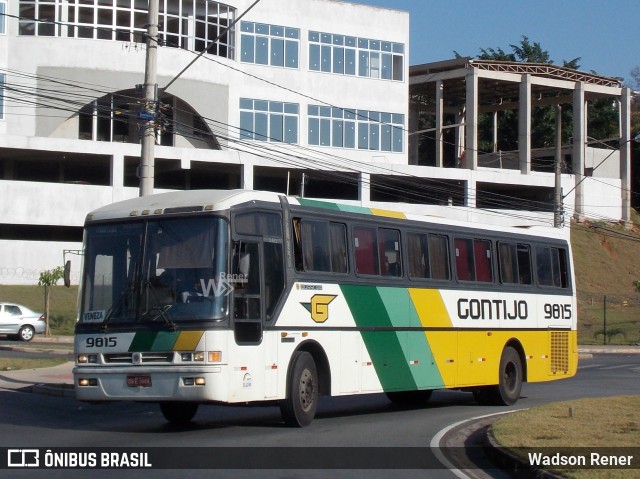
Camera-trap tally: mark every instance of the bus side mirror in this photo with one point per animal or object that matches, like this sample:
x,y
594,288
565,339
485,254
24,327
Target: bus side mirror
x,y
67,274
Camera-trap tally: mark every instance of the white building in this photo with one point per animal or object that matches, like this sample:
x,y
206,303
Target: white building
x,y
301,97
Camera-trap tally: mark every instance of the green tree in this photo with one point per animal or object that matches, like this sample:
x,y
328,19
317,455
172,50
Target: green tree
x,y
49,278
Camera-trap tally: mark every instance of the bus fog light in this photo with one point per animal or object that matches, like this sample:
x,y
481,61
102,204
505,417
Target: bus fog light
x,y
215,356
188,381
87,382
200,381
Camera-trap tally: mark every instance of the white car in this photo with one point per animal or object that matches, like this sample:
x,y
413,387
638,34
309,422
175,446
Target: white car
x,y
20,321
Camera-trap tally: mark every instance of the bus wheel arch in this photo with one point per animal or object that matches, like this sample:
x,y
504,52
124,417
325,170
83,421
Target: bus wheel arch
x,y
307,377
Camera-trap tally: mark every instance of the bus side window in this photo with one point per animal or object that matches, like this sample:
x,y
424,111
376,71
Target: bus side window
x,y
389,249
366,252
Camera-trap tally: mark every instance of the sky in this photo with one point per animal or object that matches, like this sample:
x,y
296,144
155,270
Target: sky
x,y
605,34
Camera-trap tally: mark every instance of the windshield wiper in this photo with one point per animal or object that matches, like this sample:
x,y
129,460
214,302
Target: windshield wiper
x,y
158,306
161,313
117,305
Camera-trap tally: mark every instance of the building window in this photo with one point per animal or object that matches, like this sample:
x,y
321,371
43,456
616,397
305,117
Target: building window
x,y
265,120
3,21
359,129
272,45
346,55
188,24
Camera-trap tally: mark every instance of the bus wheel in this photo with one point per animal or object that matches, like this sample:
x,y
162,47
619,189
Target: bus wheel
x,y
178,413
299,407
409,398
507,391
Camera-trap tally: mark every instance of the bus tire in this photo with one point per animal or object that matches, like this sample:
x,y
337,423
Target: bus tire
x,y
179,413
507,391
410,398
510,385
299,407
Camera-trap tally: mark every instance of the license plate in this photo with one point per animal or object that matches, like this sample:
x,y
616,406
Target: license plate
x,y
139,381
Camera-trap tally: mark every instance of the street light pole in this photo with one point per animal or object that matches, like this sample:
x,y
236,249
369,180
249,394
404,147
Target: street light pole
x,y
148,114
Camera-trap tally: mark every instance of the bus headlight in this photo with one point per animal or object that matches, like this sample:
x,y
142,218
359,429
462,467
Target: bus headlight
x,y
87,358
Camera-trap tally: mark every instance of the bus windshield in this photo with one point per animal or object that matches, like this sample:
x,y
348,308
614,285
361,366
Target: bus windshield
x,y
167,271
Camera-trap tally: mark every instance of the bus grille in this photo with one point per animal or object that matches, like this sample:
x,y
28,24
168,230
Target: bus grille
x,y
559,352
128,358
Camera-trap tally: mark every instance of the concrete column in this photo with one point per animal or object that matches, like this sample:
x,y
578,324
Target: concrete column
x,y
470,193
364,188
471,134
117,171
459,137
247,175
578,153
524,125
439,123
625,154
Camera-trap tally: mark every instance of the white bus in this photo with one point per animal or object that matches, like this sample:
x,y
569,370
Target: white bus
x,y
243,296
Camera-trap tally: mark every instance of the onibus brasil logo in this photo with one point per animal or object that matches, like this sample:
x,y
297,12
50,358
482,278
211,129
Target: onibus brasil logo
x,y
224,286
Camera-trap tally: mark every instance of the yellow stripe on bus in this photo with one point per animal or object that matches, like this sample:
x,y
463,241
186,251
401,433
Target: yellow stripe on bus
x,y
188,340
388,213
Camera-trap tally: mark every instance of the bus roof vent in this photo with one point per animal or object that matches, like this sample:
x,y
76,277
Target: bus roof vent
x,y
183,209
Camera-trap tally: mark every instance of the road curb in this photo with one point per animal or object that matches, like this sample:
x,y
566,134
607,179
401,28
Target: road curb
x,y
508,461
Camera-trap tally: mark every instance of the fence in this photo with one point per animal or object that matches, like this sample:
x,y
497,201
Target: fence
x,y
608,318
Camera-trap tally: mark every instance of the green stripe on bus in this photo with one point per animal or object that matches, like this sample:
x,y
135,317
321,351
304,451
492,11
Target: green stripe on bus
x,y
384,347
334,206
417,352
153,341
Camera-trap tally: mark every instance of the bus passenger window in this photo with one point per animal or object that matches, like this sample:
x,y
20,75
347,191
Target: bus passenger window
x,y
439,257
320,246
389,250
338,234
473,260
365,242
551,267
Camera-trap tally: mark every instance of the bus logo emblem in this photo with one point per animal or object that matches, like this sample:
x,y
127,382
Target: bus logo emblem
x,y
319,306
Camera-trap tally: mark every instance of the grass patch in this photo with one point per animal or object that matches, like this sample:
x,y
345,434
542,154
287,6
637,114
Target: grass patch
x,y
590,423
606,265
12,364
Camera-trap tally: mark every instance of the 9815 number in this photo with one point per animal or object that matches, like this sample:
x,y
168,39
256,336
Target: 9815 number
x,y
100,342
557,311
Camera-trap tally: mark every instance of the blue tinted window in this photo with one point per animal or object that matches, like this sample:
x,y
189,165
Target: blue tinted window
x,y
361,129
314,57
277,52
265,44
265,120
314,131
247,49
356,56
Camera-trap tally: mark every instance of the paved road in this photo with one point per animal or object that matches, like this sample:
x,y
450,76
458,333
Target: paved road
x,y
30,420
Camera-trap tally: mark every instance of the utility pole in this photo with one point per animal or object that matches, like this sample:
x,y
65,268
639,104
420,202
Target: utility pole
x,y
148,114
557,204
